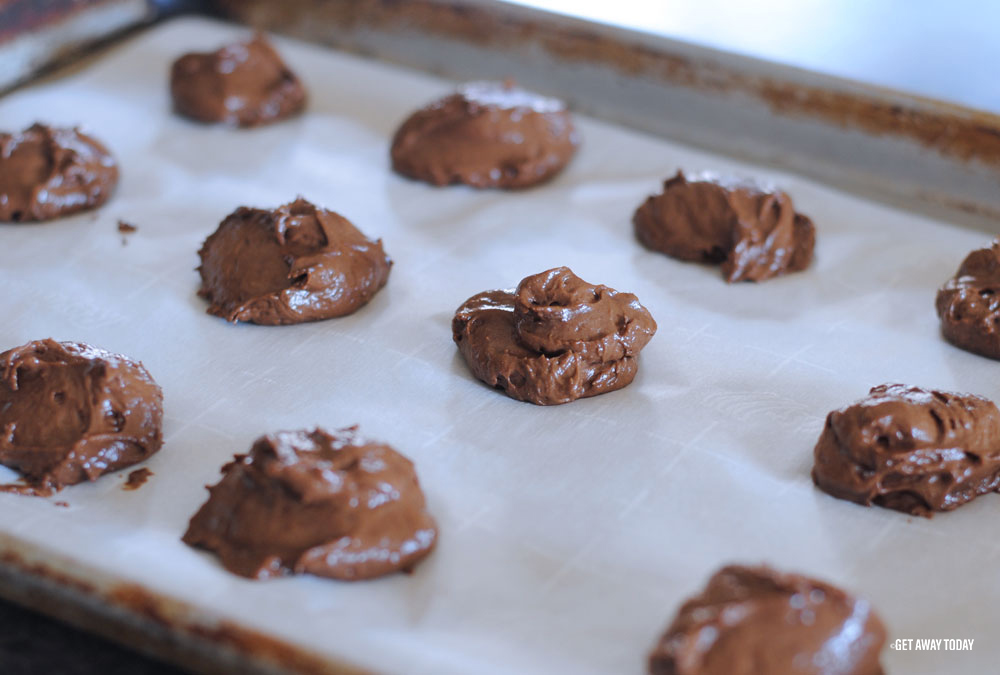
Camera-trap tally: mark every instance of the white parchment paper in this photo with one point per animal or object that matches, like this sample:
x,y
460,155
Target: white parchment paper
x,y
569,534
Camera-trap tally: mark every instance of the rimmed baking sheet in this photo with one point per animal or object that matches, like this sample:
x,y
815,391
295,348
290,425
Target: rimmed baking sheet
x,y
569,535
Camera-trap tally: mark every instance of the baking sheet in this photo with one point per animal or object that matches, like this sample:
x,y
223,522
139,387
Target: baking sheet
x,y
569,534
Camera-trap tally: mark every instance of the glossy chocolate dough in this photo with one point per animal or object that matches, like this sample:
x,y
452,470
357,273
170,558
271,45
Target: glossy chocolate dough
x,y
293,264
70,412
487,135
333,505
910,449
554,339
755,621
969,303
243,84
47,172
752,230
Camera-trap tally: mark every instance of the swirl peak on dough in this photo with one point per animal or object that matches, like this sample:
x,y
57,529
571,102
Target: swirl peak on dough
x,y
554,339
756,621
910,449
314,502
48,172
296,263
70,412
749,227
557,311
486,135
244,84
969,303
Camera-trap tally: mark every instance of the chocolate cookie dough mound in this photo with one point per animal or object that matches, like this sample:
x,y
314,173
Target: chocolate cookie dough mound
x,y
969,303
47,172
752,230
910,449
244,84
293,264
70,412
312,502
487,135
753,620
554,339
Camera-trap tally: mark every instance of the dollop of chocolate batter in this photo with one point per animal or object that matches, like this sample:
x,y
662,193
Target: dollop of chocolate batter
x,y
754,620
314,502
47,172
554,339
910,449
70,412
293,264
243,84
969,303
753,230
487,135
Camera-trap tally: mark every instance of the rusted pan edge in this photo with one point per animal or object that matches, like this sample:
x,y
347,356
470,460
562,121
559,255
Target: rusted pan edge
x,y
36,35
912,152
147,622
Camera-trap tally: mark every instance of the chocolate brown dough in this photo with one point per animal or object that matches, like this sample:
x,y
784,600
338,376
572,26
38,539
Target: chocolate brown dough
x,y
294,264
136,479
70,412
312,502
910,449
969,303
244,84
554,339
755,621
752,230
46,172
487,135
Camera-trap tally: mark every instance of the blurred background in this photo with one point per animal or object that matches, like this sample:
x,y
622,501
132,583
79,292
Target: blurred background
x,y
943,50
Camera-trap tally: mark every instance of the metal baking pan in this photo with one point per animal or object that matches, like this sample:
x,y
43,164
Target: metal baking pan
x,y
918,156
38,36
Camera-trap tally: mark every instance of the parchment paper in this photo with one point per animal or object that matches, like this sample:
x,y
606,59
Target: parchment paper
x,y
569,534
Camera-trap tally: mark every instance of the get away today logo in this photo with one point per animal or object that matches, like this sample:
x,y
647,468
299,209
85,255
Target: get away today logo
x,y
932,644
